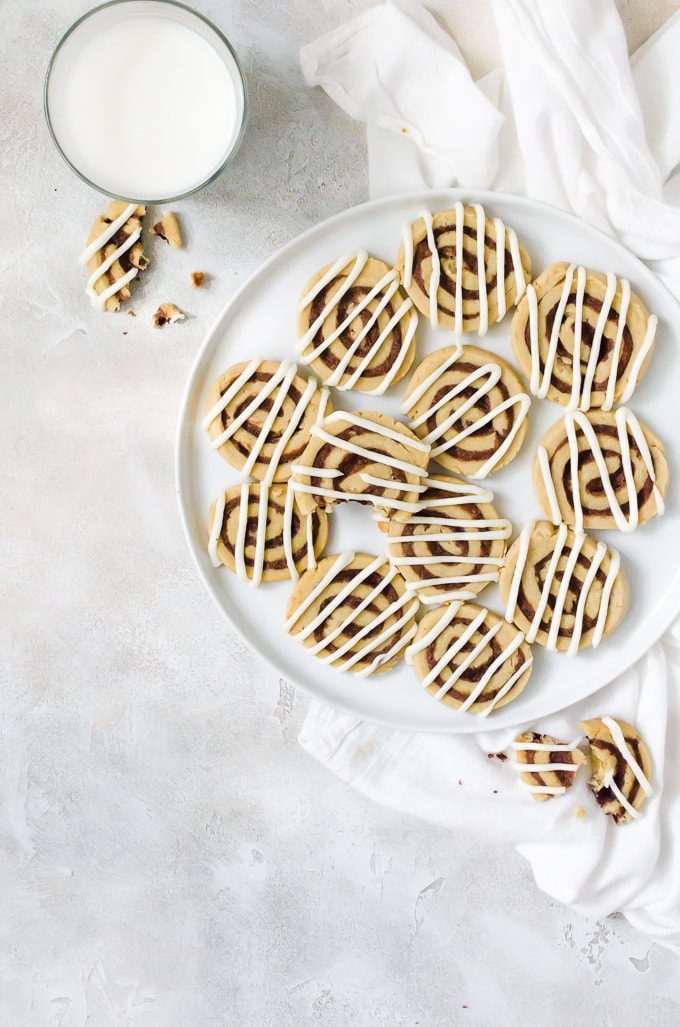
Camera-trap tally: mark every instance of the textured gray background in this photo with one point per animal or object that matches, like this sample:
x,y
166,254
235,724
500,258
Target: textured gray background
x,y
168,855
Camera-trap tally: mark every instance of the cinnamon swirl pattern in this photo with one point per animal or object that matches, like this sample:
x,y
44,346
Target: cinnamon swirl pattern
x,y
564,589
367,457
462,269
603,469
353,613
260,414
547,766
256,531
470,658
453,546
114,254
620,768
470,406
583,338
356,327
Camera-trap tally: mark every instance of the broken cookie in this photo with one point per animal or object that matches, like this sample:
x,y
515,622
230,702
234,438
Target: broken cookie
x,y
168,229
167,314
114,254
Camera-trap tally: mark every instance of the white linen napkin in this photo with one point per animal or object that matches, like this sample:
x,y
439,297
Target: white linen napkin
x,y
563,122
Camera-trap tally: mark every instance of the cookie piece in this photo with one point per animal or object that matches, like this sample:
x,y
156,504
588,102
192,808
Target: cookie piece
x,y
603,469
565,590
356,326
114,254
259,416
620,767
167,314
494,268
258,533
470,406
583,338
470,658
555,764
168,229
353,612
453,546
367,457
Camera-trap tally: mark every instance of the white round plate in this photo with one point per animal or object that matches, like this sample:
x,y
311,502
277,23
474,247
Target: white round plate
x,y
261,320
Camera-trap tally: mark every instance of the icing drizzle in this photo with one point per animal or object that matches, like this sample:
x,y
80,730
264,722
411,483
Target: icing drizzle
x,y
502,232
475,529
406,606
447,660
563,590
98,300
385,288
581,391
281,381
483,379
626,423
259,560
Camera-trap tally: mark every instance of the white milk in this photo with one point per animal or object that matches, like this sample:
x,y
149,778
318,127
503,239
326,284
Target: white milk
x,y
144,107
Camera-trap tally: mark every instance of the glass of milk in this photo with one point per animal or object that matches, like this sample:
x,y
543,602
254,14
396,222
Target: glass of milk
x,y
145,100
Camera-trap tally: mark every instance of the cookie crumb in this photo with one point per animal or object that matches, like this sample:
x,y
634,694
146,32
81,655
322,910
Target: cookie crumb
x,y
579,812
197,279
168,229
167,314
131,313
496,756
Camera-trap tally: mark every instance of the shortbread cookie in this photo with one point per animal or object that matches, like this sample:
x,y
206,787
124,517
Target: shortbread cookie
x,y
565,590
353,612
583,338
603,469
368,457
436,246
554,764
357,328
453,546
470,406
256,531
620,767
259,416
470,658
114,254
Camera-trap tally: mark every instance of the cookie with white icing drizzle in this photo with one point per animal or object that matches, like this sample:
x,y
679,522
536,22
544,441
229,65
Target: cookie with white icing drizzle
x,y
564,589
367,457
470,658
356,326
462,269
260,414
353,613
583,338
114,254
470,406
547,766
257,532
601,469
453,546
620,767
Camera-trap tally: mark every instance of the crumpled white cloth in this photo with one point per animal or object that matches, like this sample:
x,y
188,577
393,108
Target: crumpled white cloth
x,y
570,120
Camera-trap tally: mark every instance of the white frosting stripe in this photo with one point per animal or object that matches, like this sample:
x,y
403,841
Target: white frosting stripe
x,y
621,744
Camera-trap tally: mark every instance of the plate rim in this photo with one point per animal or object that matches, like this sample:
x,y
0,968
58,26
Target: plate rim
x,y
471,195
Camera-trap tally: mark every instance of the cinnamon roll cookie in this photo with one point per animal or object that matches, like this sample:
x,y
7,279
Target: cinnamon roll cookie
x,y
620,767
453,546
367,457
583,338
603,469
547,766
260,414
353,612
470,406
256,531
564,589
114,254
470,658
461,268
356,326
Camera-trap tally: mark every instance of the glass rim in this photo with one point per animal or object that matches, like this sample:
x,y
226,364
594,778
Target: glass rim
x,y
119,196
